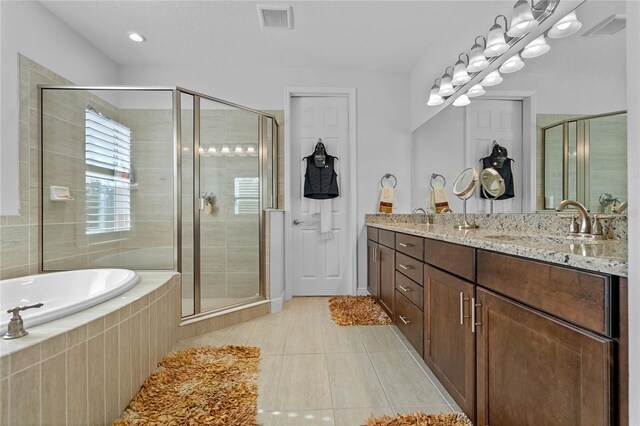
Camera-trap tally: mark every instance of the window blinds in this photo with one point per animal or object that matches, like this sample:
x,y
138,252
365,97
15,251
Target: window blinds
x,y
107,176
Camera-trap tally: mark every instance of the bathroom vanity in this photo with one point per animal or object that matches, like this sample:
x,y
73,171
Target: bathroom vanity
x,y
520,329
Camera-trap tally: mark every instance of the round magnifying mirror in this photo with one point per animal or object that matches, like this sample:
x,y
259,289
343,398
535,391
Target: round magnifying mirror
x,y
465,184
492,183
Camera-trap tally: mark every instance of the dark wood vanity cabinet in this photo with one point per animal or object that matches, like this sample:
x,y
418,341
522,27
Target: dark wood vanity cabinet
x,y
549,346
373,270
449,342
533,369
387,262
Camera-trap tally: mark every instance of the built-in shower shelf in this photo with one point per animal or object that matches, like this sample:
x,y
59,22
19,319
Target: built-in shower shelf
x,y
60,193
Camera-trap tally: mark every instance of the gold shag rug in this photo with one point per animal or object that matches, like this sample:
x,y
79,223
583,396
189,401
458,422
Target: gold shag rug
x,y
199,386
357,310
421,419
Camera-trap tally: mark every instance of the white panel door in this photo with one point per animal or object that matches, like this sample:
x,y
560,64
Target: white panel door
x,y
499,120
321,264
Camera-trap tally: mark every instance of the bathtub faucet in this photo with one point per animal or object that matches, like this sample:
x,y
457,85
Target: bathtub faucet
x,y
16,326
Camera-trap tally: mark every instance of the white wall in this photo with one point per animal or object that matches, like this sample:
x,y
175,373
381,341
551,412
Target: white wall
x,y
384,140
28,28
438,147
633,123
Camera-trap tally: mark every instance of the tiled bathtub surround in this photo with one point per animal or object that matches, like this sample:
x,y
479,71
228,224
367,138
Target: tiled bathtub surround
x,y
537,223
84,369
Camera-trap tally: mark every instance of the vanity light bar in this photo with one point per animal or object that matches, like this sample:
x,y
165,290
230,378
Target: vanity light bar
x,y
499,41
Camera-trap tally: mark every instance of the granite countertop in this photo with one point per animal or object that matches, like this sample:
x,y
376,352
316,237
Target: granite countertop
x,y
608,256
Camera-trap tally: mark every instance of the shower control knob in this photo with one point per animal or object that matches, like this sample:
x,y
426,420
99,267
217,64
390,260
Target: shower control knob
x,y
297,221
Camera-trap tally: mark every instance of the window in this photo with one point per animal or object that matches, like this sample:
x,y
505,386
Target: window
x,y
107,176
247,195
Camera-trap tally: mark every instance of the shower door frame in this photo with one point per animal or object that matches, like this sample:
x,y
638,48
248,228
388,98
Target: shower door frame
x,y
262,164
176,92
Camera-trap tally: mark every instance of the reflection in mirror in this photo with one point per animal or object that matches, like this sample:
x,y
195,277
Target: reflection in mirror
x,y
586,161
562,85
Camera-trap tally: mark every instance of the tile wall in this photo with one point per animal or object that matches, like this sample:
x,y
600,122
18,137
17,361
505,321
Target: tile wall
x,y
88,374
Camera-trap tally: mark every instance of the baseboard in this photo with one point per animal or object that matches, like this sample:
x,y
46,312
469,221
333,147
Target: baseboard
x,y
362,292
277,305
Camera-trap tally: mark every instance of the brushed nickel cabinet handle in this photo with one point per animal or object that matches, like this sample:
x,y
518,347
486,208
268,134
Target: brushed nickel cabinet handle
x,y
474,324
404,288
405,245
404,320
462,315
375,257
406,268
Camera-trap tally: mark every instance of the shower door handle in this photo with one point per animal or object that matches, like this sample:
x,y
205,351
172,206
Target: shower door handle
x,y
297,221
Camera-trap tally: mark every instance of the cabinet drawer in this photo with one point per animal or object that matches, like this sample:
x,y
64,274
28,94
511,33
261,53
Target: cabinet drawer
x,y
387,238
581,298
454,258
410,245
372,233
409,320
411,289
410,267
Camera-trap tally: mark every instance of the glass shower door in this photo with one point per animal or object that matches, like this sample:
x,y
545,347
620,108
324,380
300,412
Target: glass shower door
x,y
230,205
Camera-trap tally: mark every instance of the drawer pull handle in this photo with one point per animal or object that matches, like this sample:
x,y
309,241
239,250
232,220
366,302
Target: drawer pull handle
x,y
404,288
406,268
473,315
405,245
404,320
462,315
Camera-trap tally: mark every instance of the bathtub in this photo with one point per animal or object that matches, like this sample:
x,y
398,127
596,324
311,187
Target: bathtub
x,y
63,293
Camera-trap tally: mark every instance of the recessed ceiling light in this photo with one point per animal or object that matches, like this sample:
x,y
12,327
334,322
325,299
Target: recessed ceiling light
x,y
136,37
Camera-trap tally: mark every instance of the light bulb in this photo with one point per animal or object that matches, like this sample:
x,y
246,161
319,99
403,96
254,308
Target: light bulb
x,y
476,90
225,149
239,149
492,79
477,61
201,150
496,44
537,47
566,26
512,64
460,75
251,149
434,98
522,20
212,149
136,37
462,100
446,88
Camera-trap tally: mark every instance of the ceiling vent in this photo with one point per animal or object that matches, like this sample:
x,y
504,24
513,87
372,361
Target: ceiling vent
x,y
275,17
609,26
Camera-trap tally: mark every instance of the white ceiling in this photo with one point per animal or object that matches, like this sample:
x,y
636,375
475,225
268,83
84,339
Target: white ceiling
x,y
367,35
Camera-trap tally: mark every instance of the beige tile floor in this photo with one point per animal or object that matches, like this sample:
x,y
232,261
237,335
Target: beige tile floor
x,y
313,372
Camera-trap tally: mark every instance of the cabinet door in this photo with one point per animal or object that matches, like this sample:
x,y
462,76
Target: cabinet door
x,y
449,348
536,370
373,269
387,260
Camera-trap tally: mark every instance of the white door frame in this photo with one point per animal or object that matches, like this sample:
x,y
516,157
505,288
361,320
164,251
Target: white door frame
x,y
529,140
350,94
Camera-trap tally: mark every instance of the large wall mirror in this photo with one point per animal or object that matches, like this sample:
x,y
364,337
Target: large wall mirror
x,y
566,108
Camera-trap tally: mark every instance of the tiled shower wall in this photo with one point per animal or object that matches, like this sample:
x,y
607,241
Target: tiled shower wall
x,y
149,246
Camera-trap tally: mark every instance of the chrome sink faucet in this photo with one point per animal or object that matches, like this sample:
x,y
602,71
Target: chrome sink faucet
x,y
585,219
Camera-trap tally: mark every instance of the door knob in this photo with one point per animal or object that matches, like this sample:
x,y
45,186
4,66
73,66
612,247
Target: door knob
x,y
297,221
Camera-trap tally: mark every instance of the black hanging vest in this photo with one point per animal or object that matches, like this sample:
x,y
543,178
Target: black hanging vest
x,y
502,164
321,183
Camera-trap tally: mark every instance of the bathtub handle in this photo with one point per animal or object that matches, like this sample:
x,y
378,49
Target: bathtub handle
x,y
17,309
16,326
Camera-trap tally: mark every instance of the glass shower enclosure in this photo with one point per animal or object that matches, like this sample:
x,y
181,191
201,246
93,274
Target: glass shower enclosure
x,y
152,178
